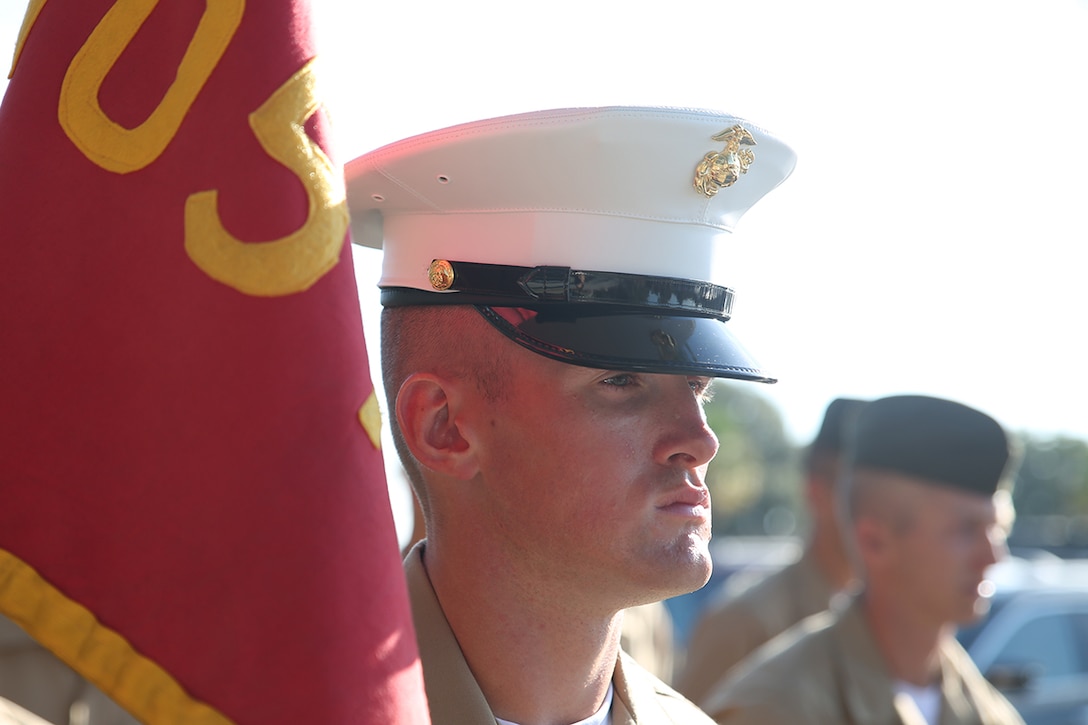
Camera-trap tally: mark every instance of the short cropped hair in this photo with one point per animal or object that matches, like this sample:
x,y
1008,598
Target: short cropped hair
x,y
872,492
448,341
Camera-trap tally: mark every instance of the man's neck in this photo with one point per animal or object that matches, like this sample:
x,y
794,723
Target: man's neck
x,y
831,559
536,661
910,647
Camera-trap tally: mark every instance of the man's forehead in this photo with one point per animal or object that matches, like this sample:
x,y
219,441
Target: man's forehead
x,y
933,494
964,503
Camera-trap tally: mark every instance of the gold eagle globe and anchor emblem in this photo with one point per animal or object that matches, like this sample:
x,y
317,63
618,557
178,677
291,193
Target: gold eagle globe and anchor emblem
x,y
720,169
440,274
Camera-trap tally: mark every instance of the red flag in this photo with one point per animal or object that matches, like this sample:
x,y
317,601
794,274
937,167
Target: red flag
x,y
193,511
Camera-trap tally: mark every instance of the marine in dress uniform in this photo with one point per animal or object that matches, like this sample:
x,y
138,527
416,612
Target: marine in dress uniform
x,y
856,663
550,328
733,629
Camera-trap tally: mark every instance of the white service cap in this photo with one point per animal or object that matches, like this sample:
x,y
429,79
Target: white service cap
x,y
597,224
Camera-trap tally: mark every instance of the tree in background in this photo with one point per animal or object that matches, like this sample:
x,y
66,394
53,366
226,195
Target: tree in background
x,y
754,480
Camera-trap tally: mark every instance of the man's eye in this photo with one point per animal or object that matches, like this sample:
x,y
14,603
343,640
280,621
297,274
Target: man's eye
x,y
701,387
620,381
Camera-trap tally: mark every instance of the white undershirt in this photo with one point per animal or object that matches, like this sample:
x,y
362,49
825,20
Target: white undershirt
x,y
603,716
927,699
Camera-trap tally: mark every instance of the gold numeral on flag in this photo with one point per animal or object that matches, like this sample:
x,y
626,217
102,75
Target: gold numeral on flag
x,y
292,263
107,143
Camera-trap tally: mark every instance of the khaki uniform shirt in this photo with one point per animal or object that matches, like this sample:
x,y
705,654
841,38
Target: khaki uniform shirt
x,y
33,678
828,671
455,698
728,633
12,714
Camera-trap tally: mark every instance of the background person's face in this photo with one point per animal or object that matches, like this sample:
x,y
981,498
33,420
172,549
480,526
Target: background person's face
x,y
943,554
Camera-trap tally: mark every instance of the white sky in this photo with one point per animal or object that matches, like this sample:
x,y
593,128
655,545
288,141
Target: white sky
x,y
932,237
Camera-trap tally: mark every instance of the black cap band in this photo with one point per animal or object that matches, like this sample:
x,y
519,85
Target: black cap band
x,y
533,287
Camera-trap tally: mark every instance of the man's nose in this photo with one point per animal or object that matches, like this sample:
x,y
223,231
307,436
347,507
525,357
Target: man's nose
x,y
686,439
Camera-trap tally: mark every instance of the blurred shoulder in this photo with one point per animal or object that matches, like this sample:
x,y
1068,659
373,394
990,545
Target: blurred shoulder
x,y
749,601
795,661
986,699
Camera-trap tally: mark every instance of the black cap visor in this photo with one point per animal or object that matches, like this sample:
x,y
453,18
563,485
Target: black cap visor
x,y
633,340
608,320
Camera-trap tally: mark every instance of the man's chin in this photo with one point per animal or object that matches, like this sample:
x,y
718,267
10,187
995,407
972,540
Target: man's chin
x,y
686,569
697,571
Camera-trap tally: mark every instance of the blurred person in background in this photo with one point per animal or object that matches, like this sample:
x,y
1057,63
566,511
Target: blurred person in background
x,y
923,491
33,678
648,635
729,631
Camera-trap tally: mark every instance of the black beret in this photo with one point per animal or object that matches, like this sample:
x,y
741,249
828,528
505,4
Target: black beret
x,y
838,418
938,440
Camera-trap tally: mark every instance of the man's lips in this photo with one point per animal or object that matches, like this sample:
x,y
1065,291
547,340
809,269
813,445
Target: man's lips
x,y
690,502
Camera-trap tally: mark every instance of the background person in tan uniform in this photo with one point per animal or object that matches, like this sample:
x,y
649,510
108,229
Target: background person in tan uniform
x,y
924,492
648,635
731,630
33,680
548,337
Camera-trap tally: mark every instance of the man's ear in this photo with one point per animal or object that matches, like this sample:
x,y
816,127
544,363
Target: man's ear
x,y
426,412
871,535
820,494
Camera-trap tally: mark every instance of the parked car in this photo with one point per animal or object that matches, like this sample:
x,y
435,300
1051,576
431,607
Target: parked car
x,y
1033,642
